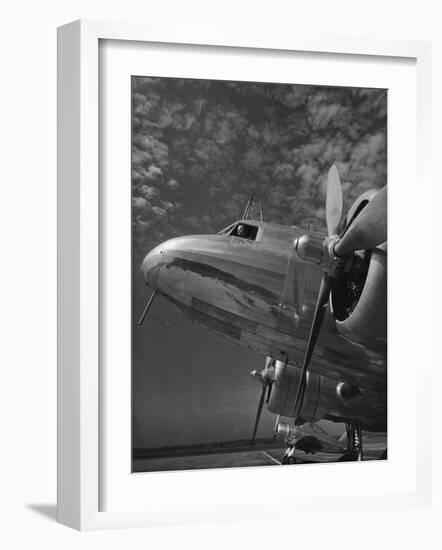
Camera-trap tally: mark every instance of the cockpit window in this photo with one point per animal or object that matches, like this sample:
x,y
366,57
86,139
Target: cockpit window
x,y
244,231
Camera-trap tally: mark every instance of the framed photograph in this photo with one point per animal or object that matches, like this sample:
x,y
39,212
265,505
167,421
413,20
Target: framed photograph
x,y
227,328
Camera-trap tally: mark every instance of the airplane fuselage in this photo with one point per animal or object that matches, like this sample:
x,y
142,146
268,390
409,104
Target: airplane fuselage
x,y
260,294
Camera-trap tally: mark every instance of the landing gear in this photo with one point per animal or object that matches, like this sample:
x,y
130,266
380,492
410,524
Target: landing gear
x,y
354,444
287,432
289,455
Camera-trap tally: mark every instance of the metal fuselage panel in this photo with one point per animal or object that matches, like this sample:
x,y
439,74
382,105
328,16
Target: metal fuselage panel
x,y
259,294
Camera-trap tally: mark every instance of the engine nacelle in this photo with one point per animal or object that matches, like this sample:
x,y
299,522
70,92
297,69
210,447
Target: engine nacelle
x,y
358,205
360,308
359,301
283,395
323,399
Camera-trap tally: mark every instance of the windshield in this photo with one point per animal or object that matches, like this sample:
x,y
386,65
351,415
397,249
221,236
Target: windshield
x,y
242,230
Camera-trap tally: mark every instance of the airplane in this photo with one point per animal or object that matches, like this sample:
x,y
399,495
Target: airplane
x,y
314,305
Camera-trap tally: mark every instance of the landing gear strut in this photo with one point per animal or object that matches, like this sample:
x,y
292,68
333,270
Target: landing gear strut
x,y
289,455
288,433
354,443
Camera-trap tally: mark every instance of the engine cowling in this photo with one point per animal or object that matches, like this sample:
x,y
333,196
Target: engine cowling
x,y
323,398
283,395
359,301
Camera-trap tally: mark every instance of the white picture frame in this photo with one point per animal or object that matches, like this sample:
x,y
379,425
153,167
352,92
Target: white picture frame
x,y
79,259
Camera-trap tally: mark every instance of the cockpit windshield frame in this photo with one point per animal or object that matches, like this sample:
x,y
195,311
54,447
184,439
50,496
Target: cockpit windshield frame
x,y
227,229
252,232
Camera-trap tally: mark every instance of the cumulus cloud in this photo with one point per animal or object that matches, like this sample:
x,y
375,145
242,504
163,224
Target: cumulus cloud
x,y
173,184
200,147
139,202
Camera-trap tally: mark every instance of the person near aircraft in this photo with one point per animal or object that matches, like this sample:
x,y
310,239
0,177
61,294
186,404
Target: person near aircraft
x,y
241,230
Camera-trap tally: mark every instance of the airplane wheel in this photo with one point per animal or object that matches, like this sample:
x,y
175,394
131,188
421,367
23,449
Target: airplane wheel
x,y
354,437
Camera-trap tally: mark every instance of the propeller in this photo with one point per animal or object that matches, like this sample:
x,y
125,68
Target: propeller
x,y
258,414
266,377
368,230
326,287
333,208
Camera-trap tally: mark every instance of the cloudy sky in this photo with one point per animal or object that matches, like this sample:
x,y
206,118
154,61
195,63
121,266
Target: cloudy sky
x,y
199,148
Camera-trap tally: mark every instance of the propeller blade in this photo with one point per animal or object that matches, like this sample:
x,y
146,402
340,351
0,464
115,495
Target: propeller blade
x,y
146,309
318,317
369,229
258,413
269,390
333,201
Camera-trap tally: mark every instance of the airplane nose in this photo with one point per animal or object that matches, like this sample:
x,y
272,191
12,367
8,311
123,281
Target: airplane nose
x,y
151,267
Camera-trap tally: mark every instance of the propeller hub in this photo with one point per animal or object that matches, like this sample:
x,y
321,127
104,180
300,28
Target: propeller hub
x,y
320,251
257,375
310,247
265,376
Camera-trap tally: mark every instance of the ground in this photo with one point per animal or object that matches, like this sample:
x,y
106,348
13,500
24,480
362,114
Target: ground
x,y
373,448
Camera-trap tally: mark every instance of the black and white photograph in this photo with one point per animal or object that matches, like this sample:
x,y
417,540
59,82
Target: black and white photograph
x,y
205,343
259,274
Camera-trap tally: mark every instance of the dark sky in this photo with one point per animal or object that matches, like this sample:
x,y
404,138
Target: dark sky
x,y
199,148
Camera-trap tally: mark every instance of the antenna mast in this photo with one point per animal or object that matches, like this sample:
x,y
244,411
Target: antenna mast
x,y
248,207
